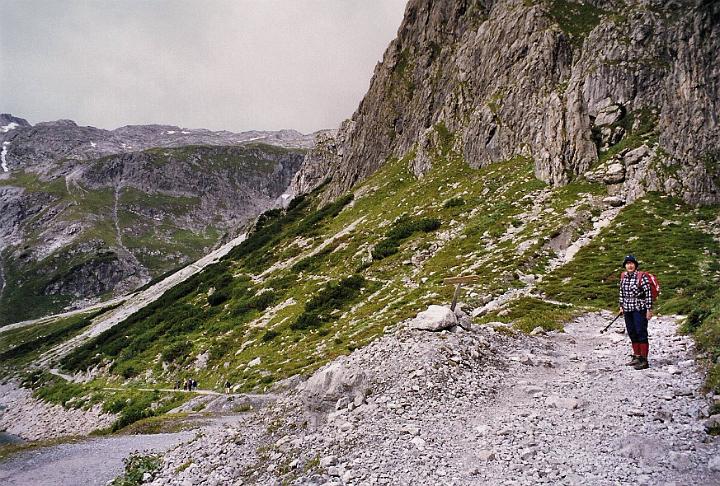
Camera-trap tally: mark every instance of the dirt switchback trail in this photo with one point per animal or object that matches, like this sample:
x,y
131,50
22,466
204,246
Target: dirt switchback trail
x,y
576,415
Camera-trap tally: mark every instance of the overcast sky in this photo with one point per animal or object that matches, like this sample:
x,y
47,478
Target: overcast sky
x,y
232,64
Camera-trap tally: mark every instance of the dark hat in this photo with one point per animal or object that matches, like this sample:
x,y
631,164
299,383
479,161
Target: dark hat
x,y
631,258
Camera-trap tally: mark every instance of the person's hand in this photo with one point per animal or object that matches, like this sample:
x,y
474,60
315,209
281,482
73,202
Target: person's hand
x,y
649,314
621,311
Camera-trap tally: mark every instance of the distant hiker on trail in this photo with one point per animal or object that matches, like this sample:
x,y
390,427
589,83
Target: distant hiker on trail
x,y
636,307
227,386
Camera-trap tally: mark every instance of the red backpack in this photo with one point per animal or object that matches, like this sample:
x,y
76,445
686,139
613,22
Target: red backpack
x,y
654,283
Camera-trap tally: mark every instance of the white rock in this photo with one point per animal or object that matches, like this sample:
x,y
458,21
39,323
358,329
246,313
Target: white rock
x,y
615,173
486,455
614,201
554,401
328,461
435,318
673,370
636,155
418,442
608,115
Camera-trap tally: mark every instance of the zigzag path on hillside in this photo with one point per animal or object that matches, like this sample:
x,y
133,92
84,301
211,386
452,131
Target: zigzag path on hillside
x,y
134,303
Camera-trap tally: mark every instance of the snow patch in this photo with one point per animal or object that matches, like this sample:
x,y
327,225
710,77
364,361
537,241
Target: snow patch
x,y
2,156
184,132
93,144
8,127
171,132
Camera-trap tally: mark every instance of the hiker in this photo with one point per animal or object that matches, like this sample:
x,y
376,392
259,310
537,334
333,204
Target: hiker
x,y
227,386
636,308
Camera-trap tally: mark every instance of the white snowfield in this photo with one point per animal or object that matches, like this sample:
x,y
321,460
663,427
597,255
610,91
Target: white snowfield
x,y
8,127
2,156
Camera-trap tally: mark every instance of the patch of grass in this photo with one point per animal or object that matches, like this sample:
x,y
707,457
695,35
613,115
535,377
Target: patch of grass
x,y
527,313
703,322
645,131
136,466
335,296
165,424
575,19
8,450
664,234
20,346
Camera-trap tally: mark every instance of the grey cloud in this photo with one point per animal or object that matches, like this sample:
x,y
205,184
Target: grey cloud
x,y
236,65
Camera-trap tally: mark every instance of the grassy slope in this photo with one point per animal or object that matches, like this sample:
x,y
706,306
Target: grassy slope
x,y
218,314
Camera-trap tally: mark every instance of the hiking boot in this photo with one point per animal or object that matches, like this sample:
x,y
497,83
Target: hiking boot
x,y
642,364
635,360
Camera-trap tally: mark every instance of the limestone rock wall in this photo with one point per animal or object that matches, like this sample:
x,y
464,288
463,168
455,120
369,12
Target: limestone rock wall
x,y
559,81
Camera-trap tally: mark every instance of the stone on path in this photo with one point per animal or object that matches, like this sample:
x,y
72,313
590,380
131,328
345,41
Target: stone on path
x,y
435,318
554,401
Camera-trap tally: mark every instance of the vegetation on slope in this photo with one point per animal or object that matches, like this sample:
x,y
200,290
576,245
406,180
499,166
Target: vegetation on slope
x,y
308,285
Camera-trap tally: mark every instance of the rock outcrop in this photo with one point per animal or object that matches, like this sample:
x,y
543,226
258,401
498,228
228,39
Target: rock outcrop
x,y
566,83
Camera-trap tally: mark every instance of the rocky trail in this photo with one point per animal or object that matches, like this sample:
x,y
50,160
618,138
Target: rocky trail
x,y
92,462
96,461
478,407
574,414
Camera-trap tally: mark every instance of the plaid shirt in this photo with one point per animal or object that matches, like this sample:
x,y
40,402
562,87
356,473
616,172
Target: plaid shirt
x,y
634,297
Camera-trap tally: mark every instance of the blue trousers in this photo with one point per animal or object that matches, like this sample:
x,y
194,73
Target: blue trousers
x,y
636,324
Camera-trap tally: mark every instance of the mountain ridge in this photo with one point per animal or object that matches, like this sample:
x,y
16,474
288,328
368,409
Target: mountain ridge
x,y
88,213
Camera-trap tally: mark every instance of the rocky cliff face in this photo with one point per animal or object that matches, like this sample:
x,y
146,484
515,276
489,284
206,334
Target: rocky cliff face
x,y
87,213
576,86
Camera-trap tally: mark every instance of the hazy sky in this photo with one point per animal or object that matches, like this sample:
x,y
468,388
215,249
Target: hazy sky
x,y
232,64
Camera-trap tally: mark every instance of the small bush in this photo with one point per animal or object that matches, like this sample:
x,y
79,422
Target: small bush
x,y
269,335
136,466
335,295
402,229
454,202
177,350
218,297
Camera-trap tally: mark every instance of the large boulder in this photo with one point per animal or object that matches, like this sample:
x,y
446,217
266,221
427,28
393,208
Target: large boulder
x,y
615,174
636,155
608,115
337,380
435,318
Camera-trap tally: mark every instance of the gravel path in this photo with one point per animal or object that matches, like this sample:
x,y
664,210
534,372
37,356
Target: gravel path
x,y
89,463
587,419
478,407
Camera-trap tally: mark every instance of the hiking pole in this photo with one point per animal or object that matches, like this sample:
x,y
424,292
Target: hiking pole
x,y
611,323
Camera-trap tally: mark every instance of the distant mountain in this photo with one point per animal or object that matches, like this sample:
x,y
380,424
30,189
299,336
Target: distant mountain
x,y
86,212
